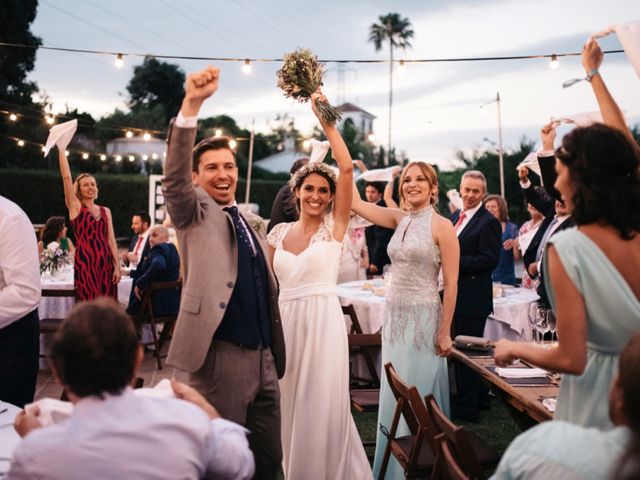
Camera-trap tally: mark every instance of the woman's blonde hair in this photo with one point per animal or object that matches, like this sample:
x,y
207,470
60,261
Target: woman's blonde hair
x,y
76,184
431,176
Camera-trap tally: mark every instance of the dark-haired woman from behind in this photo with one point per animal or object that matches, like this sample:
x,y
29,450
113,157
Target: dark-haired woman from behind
x,y
55,230
593,284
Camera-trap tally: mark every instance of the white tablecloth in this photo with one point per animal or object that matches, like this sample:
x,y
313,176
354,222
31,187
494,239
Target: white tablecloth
x,y
510,318
9,439
368,306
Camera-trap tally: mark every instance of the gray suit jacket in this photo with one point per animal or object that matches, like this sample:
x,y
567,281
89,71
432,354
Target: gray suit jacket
x,y
209,254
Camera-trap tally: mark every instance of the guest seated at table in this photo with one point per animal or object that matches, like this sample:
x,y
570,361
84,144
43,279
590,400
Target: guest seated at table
x,y
562,450
161,265
114,433
591,272
55,230
505,271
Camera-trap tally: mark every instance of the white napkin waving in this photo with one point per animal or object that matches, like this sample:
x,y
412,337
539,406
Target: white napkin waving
x,y
379,174
583,119
521,372
60,135
161,390
629,36
50,411
454,198
531,162
318,150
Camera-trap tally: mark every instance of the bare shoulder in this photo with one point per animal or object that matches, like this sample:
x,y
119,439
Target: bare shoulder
x,y
441,223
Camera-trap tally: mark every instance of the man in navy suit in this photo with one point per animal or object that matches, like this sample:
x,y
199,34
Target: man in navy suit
x,y
161,265
479,234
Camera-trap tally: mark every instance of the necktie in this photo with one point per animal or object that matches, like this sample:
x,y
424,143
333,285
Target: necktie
x,y
545,238
138,243
460,220
241,231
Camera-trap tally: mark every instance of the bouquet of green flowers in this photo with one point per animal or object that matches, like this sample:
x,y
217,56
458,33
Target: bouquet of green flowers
x,y
300,76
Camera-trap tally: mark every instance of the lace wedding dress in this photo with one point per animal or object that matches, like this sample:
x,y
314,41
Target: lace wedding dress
x,y
411,318
319,436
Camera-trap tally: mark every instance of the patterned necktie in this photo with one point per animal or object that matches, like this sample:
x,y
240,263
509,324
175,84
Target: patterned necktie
x,y
241,231
460,220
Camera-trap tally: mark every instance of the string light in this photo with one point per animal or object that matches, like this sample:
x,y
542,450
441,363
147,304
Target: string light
x,y
145,157
154,156
246,66
233,144
44,149
21,143
119,63
554,62
146,136
66,152
401,66
218,133
50,119
85,156
13,117
371,137
306,144
118,158
131,158
129,134
103,157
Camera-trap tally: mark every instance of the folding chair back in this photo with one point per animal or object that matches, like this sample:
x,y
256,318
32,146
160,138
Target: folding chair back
x,y
414,452
50,325
447,466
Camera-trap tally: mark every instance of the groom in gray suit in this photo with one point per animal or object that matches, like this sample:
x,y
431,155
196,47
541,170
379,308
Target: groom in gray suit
x,y
228,335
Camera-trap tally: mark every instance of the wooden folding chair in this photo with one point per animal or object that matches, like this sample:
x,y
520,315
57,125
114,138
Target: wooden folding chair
x,y
470,451
414,452
147,315
364,345
447,467
50,325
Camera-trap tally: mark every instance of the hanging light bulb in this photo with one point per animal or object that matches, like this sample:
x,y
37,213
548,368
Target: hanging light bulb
x,y
13,117
554,62
85,156
118,158
131,158
50,119
401,66
146,136
371,137
154,156
67,152
103,157
44,149
233,144
119,63
246,66
21,143
218,133
306,144
145,157
129,134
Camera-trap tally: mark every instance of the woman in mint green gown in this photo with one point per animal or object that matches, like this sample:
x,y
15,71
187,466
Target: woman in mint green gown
x,y
415,332
592,272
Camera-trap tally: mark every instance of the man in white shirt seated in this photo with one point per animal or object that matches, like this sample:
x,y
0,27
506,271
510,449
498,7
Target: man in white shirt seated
x,y
559,449
114,433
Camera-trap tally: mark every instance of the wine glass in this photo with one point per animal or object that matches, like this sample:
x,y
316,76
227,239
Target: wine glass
x,y
533,313
542,323
551,320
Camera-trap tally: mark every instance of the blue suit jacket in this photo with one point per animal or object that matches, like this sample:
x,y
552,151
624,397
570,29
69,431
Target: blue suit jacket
x,y
161,265
480,243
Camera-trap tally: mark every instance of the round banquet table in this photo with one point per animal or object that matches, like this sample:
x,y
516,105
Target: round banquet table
x,y
9,439
510,317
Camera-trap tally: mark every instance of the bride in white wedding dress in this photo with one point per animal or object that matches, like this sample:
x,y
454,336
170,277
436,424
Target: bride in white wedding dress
x,y
319,436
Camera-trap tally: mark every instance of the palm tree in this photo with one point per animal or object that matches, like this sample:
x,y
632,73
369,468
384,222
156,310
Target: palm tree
x,y
397,31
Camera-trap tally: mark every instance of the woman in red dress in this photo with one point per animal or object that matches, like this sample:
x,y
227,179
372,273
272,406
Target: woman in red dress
x,y
96,266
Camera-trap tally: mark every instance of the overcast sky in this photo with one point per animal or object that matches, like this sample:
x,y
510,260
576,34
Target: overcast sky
x,y
436,105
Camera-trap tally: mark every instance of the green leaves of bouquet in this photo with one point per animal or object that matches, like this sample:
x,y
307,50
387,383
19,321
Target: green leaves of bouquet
x,y
300,76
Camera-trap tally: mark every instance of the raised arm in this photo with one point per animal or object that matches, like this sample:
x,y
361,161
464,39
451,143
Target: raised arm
x,y
388,191
381,216
611,113
177,186
71,201
342,201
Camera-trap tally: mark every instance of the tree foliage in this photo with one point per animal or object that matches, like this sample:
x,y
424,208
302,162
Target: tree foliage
x,y
392,27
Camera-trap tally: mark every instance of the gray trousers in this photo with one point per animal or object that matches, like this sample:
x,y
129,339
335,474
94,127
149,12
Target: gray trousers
x,y
242,385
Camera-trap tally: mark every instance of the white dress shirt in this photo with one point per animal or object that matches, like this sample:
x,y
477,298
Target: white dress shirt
x,y
129,436
19,264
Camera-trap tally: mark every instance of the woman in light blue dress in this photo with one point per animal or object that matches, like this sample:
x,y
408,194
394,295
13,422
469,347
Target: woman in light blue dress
x,y
592,272
416,329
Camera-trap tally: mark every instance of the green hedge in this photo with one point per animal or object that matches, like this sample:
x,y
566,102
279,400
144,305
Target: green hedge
x,y
40,195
